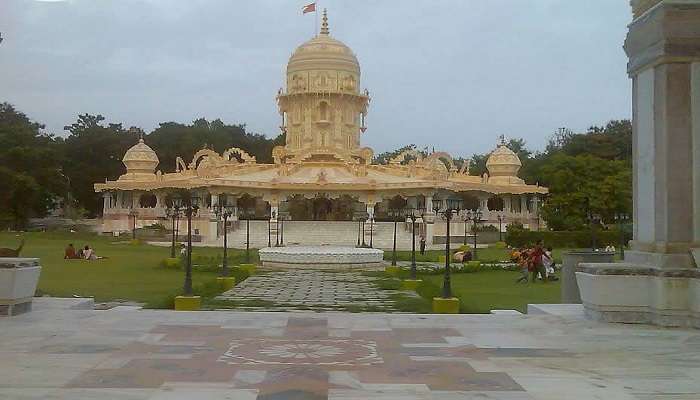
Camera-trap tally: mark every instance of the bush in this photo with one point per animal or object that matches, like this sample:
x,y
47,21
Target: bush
x,y
562,239
500,245
486,228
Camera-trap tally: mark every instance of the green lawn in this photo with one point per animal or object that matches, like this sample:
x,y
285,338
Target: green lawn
x,y
134,272
131,272
484,291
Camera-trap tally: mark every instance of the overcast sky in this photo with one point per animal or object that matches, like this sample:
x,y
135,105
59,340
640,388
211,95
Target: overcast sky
x,y
449,74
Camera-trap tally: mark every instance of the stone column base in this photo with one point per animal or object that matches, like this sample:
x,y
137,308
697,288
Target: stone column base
x,y
445,306
633,293
188,303
9,308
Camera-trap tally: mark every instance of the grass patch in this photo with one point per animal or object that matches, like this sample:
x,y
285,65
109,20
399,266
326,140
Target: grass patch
x,y
484,291
130,272
388,284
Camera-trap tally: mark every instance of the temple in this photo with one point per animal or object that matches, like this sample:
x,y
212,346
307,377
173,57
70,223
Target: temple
x,y
322,173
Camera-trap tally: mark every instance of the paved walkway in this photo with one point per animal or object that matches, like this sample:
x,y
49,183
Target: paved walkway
x,y
59,353
313,290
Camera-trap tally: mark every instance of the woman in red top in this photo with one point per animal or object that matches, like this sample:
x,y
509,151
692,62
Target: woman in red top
x,y
536,260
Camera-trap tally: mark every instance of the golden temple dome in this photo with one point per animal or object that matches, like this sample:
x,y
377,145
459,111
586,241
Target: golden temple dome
x,y
140,159
323,53
503,163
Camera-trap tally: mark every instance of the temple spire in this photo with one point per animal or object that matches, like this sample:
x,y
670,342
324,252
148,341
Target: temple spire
x,y
324,24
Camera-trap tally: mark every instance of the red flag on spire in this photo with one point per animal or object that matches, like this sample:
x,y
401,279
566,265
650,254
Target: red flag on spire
x,y
308,8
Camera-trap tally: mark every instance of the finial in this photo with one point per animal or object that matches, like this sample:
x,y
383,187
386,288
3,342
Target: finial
x,y
502,140
324,24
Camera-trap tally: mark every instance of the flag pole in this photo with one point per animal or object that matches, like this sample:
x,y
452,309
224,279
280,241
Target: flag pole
x,y
316,19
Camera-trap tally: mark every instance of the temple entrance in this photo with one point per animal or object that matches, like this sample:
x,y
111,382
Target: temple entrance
x,y
322,208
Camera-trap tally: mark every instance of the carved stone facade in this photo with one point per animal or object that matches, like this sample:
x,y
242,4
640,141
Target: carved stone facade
x,y
323,113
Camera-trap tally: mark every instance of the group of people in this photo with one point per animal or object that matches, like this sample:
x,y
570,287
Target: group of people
x,y
537,261
86,253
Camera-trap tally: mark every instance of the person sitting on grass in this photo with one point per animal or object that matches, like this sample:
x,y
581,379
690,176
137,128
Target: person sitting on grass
x,y
70,253
89,254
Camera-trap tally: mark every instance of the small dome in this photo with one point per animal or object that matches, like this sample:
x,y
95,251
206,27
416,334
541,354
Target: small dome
x,y
140,159
503,163
323,53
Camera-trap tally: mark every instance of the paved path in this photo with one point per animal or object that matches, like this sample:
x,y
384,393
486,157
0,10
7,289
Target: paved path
x,y
314,290
58,353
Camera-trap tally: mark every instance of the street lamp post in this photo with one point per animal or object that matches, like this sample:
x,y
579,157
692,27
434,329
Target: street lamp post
x,y
269,229
475,217
395,214
247,213
621,219
466,222
371,232
190,205
451,208
132,215
223,212
593,221
501,218
282,216
413,215
173,212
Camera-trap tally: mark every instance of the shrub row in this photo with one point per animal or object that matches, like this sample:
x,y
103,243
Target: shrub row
x,y
563,239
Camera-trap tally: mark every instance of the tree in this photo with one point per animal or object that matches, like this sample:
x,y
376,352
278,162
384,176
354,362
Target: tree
x,y
171,140
92,153
30,175
582,184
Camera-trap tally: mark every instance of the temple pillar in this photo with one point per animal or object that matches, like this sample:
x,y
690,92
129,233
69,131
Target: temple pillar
x,y
105,202
658,281
523,204
506,204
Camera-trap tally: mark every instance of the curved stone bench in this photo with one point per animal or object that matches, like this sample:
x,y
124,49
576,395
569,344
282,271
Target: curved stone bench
x,y
321,257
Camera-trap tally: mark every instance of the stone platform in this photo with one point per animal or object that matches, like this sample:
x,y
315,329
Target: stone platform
x,y
321,257
56,352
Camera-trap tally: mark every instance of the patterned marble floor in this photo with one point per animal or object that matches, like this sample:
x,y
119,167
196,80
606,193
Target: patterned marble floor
x,y
313,290
123,353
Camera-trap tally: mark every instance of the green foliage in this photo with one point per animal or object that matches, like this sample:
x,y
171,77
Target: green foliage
x,y
562,239
30,169
172,139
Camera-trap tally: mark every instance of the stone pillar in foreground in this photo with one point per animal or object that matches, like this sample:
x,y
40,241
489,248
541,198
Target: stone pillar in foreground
x,y
658,282
18,281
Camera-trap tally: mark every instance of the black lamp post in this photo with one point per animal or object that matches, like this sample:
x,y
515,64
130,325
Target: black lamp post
x,y
282,216
395,213
276,216
223,211
361,217
247,214
451,209
475,217
173,211
371,231
190,206
269,228
132,215
414,215
621,219
593,221
500,219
